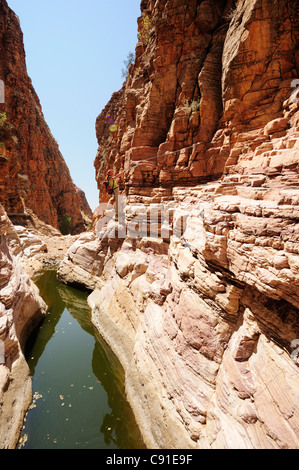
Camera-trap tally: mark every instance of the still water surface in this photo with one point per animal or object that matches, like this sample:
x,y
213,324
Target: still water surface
x,y
78,384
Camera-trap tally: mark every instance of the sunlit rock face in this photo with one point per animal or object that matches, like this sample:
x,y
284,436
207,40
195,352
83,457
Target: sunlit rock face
x,y
208,79
196,284
33,173
21,309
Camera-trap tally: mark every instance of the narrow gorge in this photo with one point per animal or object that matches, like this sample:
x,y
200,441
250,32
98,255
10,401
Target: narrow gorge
x,y
35,182
194,281
38,200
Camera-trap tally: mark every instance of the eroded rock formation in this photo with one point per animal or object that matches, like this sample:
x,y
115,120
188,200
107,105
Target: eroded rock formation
x,y
206,75
196,285
33,173
21,309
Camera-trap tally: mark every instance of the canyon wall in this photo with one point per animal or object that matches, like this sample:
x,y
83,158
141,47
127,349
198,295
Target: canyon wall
x,y
208,76
195,285
21,309
33,174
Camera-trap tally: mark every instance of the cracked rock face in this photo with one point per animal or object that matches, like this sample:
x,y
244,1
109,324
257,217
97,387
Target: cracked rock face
x,y
208,79
204,320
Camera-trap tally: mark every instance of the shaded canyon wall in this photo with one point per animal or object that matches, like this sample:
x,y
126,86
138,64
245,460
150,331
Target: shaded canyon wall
x,y
33,174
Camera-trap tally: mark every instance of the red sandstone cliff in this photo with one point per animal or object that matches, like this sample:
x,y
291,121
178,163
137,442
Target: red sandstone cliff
x,y
33,173
208,76
204,321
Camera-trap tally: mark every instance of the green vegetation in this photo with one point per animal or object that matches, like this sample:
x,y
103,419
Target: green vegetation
x,y
195,105
3,119
145,30
65,224
5,129
192,106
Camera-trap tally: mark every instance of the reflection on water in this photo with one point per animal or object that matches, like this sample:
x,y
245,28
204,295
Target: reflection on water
x,y
78,384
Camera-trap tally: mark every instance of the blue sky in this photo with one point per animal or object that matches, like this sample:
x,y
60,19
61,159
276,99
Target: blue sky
x,y
75,52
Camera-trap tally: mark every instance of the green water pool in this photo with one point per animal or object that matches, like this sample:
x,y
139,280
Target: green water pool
x,y
78,384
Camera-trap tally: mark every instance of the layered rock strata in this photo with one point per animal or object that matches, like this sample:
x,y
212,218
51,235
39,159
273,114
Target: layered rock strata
x,y
204,325
195,285
33,173
21,309
205,75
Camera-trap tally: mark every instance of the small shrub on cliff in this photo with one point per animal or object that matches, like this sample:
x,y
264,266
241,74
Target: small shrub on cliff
x,y
65,224
5,128
195,105
130,60
3,119
145,30
191,106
